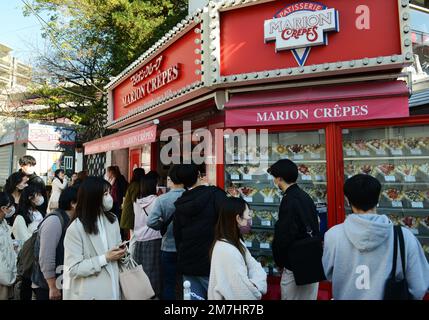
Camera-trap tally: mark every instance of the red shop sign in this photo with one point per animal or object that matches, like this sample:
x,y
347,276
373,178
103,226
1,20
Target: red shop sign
x,y
122,140
289,34
171,70
318,113
319,105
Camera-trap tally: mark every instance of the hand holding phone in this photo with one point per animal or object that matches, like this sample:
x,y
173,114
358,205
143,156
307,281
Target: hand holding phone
x,y
123,245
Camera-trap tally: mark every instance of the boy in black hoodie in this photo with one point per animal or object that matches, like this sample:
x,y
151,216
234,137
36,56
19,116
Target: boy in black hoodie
x,y
27,164
196,215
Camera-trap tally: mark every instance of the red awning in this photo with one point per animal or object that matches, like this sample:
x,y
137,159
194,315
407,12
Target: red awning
x,y
363,101
122,140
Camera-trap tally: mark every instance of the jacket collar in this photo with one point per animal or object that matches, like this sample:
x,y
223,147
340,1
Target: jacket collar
x,y
291,189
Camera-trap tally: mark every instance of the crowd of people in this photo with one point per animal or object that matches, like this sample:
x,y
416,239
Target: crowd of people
x,y
72,246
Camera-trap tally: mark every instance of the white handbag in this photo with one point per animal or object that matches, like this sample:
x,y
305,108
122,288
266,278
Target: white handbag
x,y
134,282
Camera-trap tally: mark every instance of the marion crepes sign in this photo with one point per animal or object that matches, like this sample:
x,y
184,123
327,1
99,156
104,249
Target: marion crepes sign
x,y
319,112
172,69
352,35
340,103
122,140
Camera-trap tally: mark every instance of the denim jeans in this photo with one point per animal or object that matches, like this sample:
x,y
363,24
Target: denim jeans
x,y
199,286
169,270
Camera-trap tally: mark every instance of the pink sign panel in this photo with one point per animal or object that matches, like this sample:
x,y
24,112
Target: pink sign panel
x,y
319,112
122,140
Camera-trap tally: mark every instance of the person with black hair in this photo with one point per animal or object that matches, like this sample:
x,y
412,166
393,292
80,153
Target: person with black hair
x,y
297,219
73,179
59,183
81,176
160,218
14,185
358,253
28,216
147,248
93,246
119,188
7,252
25,223
127,217
196,215
50,247
27,165
234,273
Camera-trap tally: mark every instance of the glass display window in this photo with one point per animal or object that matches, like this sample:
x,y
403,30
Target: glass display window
x,y
399,158
246,176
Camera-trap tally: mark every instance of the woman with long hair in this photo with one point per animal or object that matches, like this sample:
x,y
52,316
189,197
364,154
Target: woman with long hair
x,y
28,216
25,222
234,273
118,191
59,183
127,217
147,249
16,182
92,246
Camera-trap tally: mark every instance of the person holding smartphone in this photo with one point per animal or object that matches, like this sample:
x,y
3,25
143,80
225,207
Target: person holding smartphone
x,y
92,246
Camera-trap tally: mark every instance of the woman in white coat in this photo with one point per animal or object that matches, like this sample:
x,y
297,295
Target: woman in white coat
x,y
92,246
234,273
59,183
7,252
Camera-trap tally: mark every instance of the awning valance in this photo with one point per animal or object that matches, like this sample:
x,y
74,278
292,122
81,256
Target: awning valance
x,y
122,140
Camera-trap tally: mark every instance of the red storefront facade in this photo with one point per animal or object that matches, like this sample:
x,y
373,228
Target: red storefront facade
x,y
324,78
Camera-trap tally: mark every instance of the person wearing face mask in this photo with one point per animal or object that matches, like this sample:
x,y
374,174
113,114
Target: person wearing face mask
x,y
28,216
16,182
49,247
25,223
147,249
296,205
59,183
27,166
7,252
92,246
234,273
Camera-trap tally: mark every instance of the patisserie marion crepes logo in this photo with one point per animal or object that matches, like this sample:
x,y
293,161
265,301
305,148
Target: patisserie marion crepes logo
x,y
300,26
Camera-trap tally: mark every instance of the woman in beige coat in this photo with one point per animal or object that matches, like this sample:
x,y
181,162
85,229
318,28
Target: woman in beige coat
x,y
92,246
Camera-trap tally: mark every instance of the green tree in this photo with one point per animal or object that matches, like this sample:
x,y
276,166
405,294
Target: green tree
x,y
91,41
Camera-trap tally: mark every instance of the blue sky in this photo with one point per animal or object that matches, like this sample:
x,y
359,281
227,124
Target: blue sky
x,y
22,34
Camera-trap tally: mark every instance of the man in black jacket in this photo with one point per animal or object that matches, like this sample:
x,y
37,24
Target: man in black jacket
x,y
196,215
295,204
27,164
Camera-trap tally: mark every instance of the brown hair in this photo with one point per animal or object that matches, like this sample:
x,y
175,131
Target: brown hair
x,y
115,171
227,228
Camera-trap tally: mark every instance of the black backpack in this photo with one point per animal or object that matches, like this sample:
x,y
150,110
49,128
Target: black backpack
x,y
397,289
25,260
26,257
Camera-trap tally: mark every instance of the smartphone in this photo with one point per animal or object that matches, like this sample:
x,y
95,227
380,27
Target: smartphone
x,y
123,245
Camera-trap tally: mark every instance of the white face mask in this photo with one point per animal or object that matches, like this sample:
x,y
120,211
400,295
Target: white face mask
x,y
107,202
10,213
29,170
39,201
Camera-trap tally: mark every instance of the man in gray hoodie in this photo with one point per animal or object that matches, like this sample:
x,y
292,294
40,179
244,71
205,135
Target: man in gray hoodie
x,y
358,253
